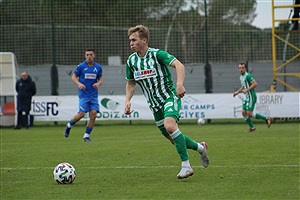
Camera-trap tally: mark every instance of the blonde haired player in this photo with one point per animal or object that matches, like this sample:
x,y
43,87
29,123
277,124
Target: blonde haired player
x,y
149,68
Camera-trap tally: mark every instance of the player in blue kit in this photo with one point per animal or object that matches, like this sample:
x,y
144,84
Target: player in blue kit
x,y
88,78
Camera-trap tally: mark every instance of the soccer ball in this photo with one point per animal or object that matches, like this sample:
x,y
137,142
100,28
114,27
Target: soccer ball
x,y
200,121
64,173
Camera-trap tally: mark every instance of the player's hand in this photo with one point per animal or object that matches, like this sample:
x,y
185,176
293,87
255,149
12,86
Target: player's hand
x,y
235,93
81,86
96,85
127,110
180,91
244,91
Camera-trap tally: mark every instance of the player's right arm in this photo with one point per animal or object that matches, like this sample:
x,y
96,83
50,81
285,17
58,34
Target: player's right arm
x,y
237,92
130,87
75,80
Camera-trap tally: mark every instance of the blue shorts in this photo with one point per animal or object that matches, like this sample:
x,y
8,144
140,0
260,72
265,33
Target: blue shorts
x,y
88,104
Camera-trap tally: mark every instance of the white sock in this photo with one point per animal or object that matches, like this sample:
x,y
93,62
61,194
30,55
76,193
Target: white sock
x,y
69,125
186,164
86,135
175,134
200,148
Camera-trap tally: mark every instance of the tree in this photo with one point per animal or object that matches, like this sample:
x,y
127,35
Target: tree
x,y
175,25
188,17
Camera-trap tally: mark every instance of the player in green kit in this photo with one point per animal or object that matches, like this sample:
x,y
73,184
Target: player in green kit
x,y
248,85
149,68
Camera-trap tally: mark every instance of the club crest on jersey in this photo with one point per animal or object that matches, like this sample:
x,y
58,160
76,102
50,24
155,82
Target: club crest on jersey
x,y
143,74
151,62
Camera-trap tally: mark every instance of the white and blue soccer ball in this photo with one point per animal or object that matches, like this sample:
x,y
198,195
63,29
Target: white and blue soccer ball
x,y
64,173
201,121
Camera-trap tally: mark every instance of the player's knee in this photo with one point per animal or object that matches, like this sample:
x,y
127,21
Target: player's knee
x,y
165,133
93,115
170,128
170,125
81,114
244,113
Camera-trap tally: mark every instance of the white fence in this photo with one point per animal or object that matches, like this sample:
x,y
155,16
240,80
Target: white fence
x,y
211,106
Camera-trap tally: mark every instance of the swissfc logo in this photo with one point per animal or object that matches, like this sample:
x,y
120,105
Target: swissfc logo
x,y
45,108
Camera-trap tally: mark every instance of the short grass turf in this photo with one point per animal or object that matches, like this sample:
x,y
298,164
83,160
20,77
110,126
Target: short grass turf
x,y
134,161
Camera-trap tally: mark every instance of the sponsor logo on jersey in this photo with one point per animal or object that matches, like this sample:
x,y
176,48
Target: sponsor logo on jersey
x,y
90,76
143,74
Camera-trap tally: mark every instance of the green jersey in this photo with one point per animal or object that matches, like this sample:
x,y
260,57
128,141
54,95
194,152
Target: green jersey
x,y
151,72
246,81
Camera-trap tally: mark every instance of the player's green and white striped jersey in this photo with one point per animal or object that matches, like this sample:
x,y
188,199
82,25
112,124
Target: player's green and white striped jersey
x,y
246,80
152,74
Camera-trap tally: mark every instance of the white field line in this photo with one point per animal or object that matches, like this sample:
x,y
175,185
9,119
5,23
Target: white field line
x,y
154,167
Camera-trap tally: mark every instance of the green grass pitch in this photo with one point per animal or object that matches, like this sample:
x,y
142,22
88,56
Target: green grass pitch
x,y
134,161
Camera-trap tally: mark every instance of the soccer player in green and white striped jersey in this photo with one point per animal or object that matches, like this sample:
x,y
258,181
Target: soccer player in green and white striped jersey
x,y
248,84
149,68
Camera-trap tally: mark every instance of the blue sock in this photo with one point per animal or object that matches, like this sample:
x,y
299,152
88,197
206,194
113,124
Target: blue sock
x,y
71,122
87,133
88,130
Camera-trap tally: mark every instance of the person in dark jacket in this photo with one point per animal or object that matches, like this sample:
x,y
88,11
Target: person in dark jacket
x,y
25,88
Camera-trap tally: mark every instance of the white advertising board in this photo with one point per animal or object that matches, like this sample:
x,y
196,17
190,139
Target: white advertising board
x,y
211,106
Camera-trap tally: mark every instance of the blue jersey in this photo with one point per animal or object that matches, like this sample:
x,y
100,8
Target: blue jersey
x,y
88,75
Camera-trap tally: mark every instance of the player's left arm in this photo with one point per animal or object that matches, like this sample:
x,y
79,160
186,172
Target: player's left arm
x,y
98,83
99,78
180,73
252,86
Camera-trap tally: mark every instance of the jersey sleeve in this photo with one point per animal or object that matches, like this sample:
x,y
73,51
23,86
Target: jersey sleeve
x,y
165,58
99,71
250,78
78,70
129,72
